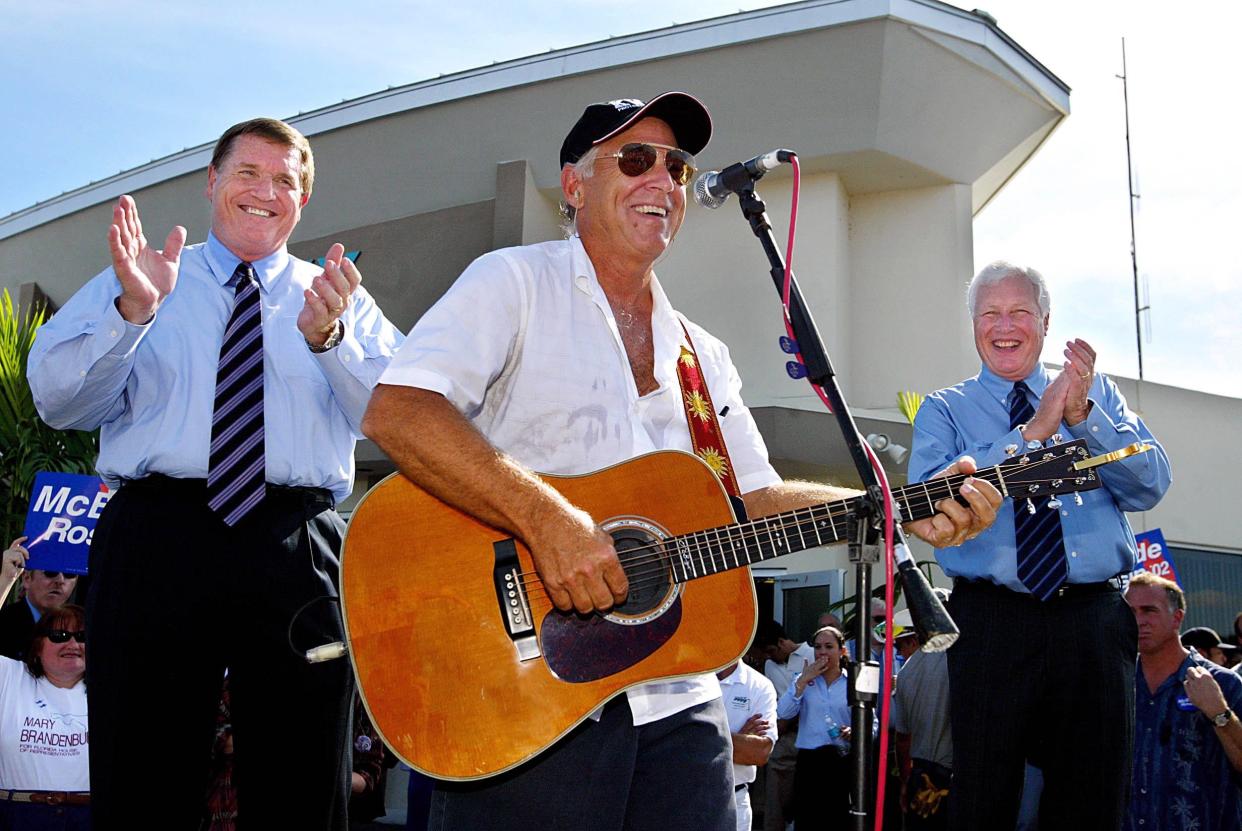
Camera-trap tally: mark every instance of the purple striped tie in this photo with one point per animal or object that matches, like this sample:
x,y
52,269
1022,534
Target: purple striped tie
x,y
1041,546
235,478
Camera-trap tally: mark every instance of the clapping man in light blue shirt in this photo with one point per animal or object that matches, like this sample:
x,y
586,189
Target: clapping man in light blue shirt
x,y
229,380
1044,668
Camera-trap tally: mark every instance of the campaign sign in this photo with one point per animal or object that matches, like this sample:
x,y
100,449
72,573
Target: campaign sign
x,y
61,520
1153,555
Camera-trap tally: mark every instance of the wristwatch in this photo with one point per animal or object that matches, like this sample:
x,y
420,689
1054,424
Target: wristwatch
x,y
1223,719
338,332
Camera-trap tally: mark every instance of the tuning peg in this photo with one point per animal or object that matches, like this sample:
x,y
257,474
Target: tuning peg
x,y
795,369
1030,507
1011,449
788,345
1054,504
1078,499
1057,438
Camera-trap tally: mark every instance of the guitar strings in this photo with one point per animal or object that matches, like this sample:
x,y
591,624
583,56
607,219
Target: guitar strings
x,y
656,551
768,525
652,566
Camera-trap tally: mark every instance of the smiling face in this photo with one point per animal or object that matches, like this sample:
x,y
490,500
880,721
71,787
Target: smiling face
x,y
623,218
1158,623
256,196
1009,328
63,663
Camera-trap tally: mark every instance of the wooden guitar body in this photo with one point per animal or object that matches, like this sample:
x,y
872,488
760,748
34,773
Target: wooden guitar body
x,y
429,608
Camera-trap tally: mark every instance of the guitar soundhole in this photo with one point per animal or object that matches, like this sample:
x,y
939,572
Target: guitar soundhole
x,y
646,566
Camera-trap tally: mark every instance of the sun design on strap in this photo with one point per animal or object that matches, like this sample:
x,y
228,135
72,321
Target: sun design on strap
x,y
687,358
715,460
697,404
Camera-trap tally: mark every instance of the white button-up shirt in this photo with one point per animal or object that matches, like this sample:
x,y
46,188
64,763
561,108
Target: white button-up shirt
x,y
526,346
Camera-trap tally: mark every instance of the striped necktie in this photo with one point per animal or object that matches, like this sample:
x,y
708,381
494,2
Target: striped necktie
x,y
1041,548
235,478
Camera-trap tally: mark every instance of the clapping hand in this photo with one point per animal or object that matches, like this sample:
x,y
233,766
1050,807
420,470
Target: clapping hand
x,y
328,296
146,275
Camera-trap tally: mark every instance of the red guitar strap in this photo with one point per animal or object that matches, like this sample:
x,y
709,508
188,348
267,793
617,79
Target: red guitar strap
x,y
705,435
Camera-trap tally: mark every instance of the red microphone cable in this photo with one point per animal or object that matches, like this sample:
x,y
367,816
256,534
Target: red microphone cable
x,y
882,478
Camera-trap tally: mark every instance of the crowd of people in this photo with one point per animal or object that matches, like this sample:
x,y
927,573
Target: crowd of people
x,y
231,380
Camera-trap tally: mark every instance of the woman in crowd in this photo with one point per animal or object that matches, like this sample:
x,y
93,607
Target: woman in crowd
x,y
44,778
818,697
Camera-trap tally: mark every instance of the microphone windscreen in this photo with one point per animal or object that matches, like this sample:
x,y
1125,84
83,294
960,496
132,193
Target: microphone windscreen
x,y
703,196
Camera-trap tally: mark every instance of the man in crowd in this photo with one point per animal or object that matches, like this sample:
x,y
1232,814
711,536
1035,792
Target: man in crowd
x,y
42,592
920,721
785,660
1188,740
566,357
230,380
1205,641
750,706
1042,568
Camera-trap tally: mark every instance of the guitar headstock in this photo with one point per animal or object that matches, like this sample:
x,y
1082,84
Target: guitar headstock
x,y
1047,471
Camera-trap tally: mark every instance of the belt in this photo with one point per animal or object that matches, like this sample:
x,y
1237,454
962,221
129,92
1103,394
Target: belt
x,y
740,787
1113,584
47,797
198,488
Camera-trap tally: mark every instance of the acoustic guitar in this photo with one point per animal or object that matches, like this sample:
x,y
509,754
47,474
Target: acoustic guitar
x,y
468,670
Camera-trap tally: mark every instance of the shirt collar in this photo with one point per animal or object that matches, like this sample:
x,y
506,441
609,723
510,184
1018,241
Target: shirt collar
x,y
33,611
1000,388
666,324
223,263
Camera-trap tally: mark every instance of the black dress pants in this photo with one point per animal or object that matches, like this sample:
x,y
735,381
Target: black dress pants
x,y
176,598
1052,682
674,773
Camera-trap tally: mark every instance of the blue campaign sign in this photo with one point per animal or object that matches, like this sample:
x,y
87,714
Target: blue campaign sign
x,y
1153,555
61,520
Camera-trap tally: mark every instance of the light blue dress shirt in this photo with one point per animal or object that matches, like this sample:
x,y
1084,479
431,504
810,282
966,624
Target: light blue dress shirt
x,y
151,387
819,702
973,418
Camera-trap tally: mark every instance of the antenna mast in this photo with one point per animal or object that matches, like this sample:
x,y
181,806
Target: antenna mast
x,y
1138,309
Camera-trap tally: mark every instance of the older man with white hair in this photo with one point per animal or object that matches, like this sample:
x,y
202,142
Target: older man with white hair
x,y
1044,668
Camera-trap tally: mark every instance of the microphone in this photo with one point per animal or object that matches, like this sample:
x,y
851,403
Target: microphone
x,y
936,629
713,187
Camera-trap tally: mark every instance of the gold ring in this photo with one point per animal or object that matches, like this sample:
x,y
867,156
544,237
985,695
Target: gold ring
x,y
1085,376
336,310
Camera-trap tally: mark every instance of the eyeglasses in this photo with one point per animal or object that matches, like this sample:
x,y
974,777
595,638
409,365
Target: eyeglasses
x,y
63,635
637,158
52,575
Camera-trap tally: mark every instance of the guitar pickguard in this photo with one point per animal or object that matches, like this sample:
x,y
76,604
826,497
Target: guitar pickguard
x,y
581,648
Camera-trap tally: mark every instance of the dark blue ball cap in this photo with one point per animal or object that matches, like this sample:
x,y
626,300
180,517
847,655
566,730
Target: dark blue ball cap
x,y
683,113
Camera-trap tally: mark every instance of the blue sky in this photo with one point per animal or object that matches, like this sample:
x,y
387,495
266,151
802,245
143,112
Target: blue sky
x,y
94,88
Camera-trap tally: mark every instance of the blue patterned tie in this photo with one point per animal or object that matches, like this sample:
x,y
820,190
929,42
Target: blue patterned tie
x,y
235,478
1041,548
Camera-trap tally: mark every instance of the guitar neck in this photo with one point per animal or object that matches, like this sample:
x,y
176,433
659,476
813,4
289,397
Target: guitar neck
x,y
713,550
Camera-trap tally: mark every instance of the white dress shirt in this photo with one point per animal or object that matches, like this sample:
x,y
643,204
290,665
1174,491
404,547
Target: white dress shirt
x,y
526,346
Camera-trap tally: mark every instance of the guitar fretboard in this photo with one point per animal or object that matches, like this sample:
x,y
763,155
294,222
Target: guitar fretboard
x,y
713,550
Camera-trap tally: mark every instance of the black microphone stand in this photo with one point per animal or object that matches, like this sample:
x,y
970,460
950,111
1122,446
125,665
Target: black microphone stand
x,y
865,522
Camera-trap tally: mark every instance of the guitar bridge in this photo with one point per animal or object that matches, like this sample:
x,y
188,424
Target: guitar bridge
x,y
512,597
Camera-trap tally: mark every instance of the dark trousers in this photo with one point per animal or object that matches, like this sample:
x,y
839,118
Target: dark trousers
x,y
1052,682
33,816
177,597
822,782
675,773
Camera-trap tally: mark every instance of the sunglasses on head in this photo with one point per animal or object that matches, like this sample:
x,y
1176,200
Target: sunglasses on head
x,y
637,158
63,635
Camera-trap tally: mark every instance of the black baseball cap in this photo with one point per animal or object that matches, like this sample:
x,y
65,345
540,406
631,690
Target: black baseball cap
x,y
1203,638
684,113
